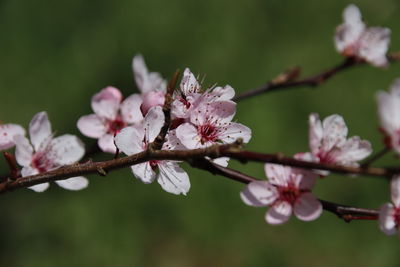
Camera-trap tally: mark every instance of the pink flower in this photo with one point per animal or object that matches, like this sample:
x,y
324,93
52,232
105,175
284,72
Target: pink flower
x,y
151,85
110,116
288,190
190,95
130,140
211,123
353,39
7,134
329,143
44,153
389,115
389,214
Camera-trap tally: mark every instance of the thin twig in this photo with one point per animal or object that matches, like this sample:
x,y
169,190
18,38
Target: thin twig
x,y
375,157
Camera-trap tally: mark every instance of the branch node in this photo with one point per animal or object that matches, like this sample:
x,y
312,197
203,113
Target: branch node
x,y
101,171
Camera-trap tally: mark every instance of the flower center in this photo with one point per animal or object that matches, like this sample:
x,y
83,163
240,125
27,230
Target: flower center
x,y
289,193
41,162
116,125
185,102
208,133
325,157
154,164
396,217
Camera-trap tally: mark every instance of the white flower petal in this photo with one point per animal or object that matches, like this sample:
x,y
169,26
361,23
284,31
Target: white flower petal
x,y
7,133
39,130
146,81
277,174
130,109
187,134
259,194
189,83
316,133
66,149
74,183
92,126
223,161
307,207
348,33
173,178
106,143
352,151
387,223
129,141
106,103
335,132
23,150
395,190
144,172
153,123
279,213
39,187
233,131
374,46
223,93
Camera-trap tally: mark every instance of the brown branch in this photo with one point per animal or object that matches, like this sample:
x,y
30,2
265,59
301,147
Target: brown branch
x,y
344,212
289,81
194,157
159,141
375,157
12,164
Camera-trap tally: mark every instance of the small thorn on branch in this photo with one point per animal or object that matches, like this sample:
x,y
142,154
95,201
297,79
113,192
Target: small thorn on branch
x,y
12,164
101,171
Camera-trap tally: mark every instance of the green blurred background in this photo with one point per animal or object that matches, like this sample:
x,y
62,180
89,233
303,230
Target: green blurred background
x,y
56,54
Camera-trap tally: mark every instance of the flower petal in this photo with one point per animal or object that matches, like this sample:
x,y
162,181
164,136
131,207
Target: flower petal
x,y
130,109
106,143
7,133
307,207
66,149
189,83
129,141
187,134
39,187
233,131
348,33
144,172
152,99
352,151
223,161
316,133
259,194
23,151
277,174
223,93
395,190
39,130
374,46
387,223
279,213
92,126
335,132
106,103
153,122
146,81
173,178
74,183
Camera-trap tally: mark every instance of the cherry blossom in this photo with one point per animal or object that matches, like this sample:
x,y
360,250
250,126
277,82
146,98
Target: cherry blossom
x,y
329,143
287,191
389,213
191,95
132,140
354,39
151,85
7,134
211,123
44,153
389,115
110,116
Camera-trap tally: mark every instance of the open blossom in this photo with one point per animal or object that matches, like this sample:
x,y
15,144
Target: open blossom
x,y
132,140
211,123
191,95
7,134
44,153
287,191
151,85
354,39
110,116
389,213
329,143
389,115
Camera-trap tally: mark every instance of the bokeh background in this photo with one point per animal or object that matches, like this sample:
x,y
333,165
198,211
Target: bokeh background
x,y
56,54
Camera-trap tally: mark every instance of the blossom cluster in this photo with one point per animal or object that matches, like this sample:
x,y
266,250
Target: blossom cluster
x,y
203,116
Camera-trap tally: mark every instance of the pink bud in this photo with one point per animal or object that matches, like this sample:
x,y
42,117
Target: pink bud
x,y
152,99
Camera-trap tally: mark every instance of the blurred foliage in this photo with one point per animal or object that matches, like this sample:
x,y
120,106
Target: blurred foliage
x,y
56,54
